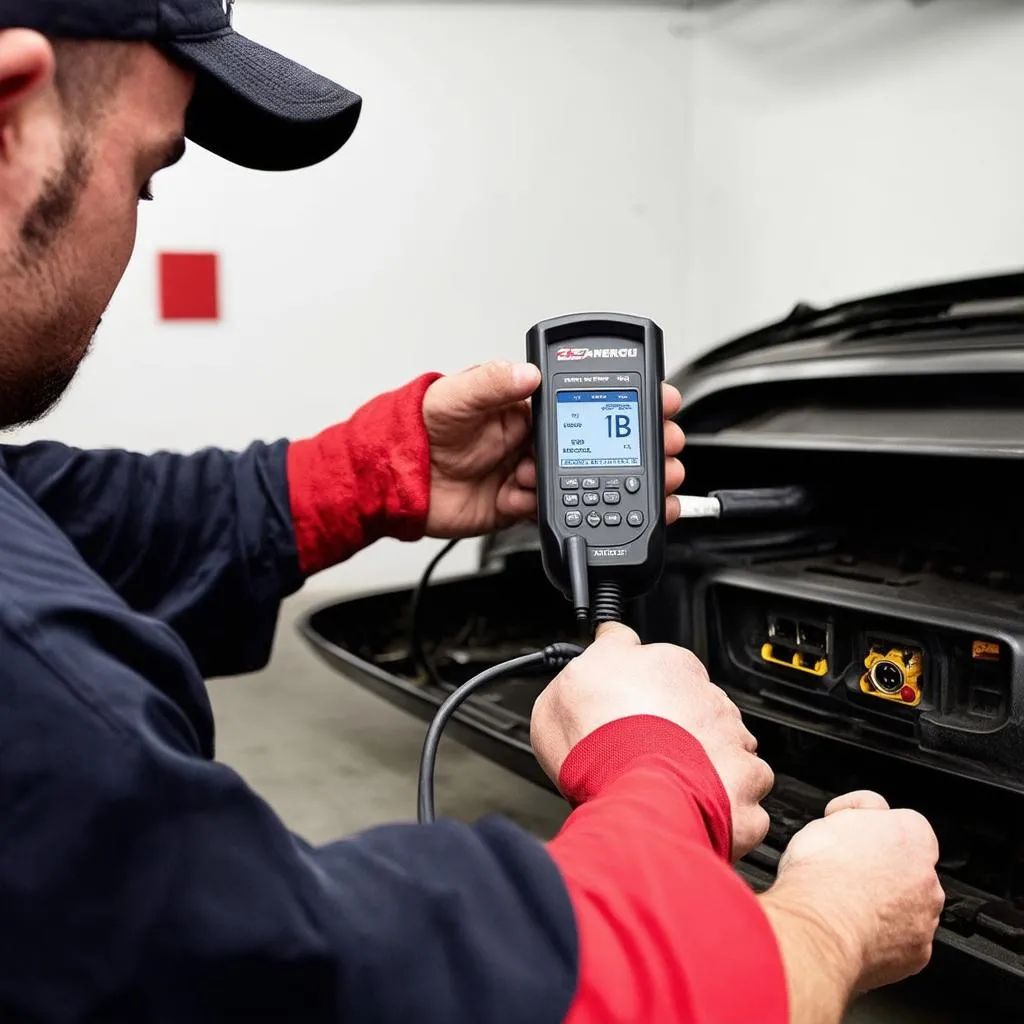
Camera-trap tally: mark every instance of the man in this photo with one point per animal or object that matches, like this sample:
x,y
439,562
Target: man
x,y
141,881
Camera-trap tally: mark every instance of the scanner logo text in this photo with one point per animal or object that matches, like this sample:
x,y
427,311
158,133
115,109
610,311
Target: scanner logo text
x,y
567,354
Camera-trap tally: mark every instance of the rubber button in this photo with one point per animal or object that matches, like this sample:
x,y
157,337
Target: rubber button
x,y
635,519
590,498
570,499
612,497
612,519
570,483
591,483
573,519
632,484
594,519
613,483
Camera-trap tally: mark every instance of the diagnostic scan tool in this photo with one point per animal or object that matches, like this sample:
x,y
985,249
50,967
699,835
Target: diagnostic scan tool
x,y
600,448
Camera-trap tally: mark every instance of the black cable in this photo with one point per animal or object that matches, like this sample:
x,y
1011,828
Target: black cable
x,y
555,656
419,658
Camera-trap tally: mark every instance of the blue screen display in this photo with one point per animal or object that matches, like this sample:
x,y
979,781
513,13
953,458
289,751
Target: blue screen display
x,y
598,428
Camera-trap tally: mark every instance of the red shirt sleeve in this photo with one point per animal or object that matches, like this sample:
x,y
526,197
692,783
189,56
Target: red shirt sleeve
x,y
362,480
668,932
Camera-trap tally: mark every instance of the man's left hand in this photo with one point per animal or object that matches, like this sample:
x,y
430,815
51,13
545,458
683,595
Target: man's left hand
x,y
482,473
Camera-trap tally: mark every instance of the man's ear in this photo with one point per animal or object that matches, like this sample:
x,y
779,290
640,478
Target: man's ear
x,y
27,65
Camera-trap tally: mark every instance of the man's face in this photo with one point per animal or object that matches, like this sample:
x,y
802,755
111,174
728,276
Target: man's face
x,y
71,188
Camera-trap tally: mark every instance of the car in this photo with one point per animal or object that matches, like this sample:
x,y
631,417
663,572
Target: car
x,y
873,637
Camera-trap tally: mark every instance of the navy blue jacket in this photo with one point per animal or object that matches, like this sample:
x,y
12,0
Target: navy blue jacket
x,y
141,881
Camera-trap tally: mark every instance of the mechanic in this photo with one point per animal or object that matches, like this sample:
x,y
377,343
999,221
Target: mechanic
x,y
140,880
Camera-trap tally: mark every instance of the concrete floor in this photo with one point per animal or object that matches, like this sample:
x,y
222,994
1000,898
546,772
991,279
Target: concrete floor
x,y
333,760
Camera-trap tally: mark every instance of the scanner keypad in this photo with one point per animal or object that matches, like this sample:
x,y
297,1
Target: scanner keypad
x,y
605,496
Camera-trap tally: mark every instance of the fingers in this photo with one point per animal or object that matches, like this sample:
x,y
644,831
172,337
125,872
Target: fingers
x,y
861,800
749,831
526,474
675,439
673,510
675,474
616,633
672,400
487,387
517,502
921,831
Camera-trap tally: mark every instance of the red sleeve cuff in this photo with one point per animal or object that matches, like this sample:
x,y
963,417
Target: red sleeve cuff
x,y
362,480
646,743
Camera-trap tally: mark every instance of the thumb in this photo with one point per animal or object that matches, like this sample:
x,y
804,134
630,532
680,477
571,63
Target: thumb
x,y
861,800
491,386
616,633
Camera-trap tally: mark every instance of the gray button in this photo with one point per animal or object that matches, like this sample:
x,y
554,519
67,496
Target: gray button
x,y
612,497
612,519
590,498
591,483
573,519
570,499
594,519
635,519
570,483
613,483
632,484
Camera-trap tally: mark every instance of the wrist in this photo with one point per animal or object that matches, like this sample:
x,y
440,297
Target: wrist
x,y
819,945
653,744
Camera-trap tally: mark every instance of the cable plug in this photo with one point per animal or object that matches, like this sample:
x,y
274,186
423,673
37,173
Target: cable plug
x,y
559,655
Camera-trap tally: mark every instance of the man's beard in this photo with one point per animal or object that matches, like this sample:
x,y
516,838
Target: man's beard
x,y
33,381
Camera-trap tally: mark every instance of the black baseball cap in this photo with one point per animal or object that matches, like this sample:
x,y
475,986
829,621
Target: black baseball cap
x,y
251,105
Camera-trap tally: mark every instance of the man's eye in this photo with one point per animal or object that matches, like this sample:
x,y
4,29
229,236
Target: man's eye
x,y
146,195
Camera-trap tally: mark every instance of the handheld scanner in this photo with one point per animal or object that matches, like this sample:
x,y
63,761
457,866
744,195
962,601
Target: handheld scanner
x,y
600,448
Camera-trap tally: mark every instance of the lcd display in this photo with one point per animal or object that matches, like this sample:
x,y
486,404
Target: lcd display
x,y
598,428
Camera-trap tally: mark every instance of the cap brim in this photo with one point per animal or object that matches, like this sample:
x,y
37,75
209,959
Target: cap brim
x,y
260,110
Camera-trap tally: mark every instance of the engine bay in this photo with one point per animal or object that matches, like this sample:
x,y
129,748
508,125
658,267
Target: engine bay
x,y
877,642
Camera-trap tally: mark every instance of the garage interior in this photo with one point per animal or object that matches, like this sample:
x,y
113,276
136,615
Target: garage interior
x,y
709,164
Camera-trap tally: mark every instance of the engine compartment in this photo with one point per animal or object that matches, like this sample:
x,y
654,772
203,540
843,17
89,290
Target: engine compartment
x,y
876,643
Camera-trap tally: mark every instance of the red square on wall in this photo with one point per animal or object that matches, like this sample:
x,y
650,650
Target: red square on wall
x,y
189,286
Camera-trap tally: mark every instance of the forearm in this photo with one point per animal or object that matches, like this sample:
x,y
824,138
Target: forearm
x,y
820,972
668,932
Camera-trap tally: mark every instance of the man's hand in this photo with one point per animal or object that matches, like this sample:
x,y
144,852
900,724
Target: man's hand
x,y
618,678
482,472
856,904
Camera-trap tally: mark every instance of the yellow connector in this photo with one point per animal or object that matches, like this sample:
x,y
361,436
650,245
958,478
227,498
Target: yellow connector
x,y
796,661
894,675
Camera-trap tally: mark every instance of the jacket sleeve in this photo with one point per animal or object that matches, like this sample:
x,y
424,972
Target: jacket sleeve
x,y
143,883
668,933
211,543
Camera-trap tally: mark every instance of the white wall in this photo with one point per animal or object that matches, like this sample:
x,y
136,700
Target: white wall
x,y
513,163
517,161
849,146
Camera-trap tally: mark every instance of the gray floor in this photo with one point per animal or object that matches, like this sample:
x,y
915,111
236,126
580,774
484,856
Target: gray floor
x,y
334,760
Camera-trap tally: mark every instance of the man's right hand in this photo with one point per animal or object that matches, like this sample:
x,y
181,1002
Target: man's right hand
x,y
619,678
865,875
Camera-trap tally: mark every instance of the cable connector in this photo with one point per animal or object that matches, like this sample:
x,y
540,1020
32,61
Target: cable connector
x,y
559,655
763,501
579,584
